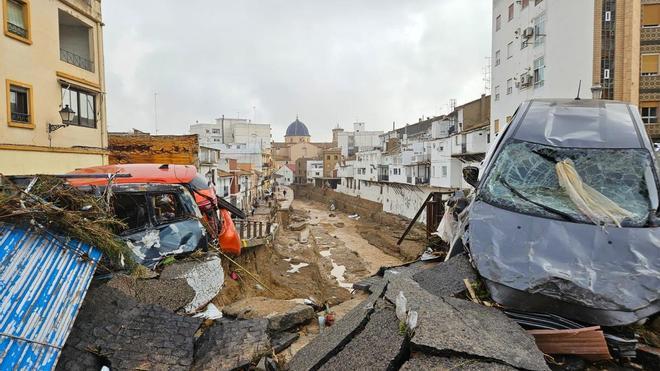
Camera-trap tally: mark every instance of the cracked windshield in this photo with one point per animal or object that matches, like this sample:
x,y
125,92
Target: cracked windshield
x,y
525,180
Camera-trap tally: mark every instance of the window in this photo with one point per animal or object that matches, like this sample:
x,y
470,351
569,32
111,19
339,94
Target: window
x,y
498,23
497,93
524,4
497,126
608,16
510,13
215,131
650,64
649,112
539,30
19,109
509,86
335,157
444,171
539,68
17,20
509,50
457,142
497,58
83,104
651,15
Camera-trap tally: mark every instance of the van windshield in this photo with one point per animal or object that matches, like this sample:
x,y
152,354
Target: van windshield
x,y
524,180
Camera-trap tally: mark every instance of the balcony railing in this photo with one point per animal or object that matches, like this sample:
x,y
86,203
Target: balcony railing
x,y
20,117
421,180
383,178
76,60
17,30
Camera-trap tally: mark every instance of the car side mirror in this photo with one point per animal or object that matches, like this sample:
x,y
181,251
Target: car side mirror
x,y
471,175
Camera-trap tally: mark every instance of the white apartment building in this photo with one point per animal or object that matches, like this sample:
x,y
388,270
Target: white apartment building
x,y
286,174
241,152
540,49
233,131
357,140
314,170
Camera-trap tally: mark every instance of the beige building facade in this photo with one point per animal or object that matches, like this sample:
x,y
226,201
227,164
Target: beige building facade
x,y
51,57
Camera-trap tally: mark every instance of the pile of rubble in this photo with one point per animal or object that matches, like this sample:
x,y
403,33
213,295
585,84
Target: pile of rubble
x,y
453,328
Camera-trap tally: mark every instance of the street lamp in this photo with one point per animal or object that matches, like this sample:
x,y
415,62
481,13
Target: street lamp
x,y
67,115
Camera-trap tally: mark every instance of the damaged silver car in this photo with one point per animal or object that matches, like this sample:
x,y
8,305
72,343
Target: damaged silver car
x,y
564,217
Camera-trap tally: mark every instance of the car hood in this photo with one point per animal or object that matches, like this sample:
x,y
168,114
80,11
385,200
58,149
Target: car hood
x,y
583,265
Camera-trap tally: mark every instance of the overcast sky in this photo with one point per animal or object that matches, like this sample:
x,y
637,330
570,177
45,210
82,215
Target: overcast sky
x,y
331,62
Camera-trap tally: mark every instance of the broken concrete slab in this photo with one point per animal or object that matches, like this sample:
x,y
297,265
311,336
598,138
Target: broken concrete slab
x,y
379,346
282,340
128,334
205,276
322,348
299,226
446,278
281,314
466,327
172,294
421,361
230,345
365,284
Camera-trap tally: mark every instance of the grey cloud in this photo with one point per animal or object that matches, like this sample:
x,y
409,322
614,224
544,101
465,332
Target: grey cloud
x,y
332,62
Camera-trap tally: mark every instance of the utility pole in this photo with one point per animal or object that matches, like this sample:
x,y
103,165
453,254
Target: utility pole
x,y
156,111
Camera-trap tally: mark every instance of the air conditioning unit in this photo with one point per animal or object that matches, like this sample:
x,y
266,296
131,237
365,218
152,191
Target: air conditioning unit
x,y
525,79
528,32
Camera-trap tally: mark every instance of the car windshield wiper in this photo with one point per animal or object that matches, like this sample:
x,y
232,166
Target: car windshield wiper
x,y
564,215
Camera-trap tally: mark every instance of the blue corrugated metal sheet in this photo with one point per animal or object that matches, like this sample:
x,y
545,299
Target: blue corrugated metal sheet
x,y
42,285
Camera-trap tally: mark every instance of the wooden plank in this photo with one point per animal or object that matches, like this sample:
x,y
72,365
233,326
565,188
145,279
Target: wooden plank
x,y
588,342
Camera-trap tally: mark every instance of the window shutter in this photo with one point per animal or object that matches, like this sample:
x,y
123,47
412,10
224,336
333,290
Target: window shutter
x,y
651,15
650,64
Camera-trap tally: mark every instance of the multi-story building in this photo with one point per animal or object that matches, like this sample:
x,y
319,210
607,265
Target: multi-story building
x,y
53,118
547,49
233,131
359,139
649,84
314,170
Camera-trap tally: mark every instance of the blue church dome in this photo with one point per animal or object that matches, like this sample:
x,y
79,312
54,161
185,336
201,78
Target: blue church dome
x,y
297,129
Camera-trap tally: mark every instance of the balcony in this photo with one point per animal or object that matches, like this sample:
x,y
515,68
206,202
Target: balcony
x,y
649,34
17,30
422,180
383,178
76,42
20,117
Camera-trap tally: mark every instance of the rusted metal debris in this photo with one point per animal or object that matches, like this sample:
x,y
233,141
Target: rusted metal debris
x,y
588,342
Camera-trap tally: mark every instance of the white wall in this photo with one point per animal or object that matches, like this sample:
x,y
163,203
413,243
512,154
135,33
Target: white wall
x,y
287,175
567,49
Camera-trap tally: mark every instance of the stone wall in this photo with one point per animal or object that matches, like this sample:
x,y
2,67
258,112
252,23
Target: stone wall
x,y
365,208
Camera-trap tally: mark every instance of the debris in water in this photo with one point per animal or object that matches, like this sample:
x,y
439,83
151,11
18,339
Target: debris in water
x,y
296,267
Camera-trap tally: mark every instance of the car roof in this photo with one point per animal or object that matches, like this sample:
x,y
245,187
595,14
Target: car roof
x,y
140,173
584,123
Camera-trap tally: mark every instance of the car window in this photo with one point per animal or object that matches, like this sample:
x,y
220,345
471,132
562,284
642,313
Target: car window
x,y
167,207
131,208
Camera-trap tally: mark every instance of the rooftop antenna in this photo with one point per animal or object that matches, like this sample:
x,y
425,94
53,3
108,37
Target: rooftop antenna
x,y
578,93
